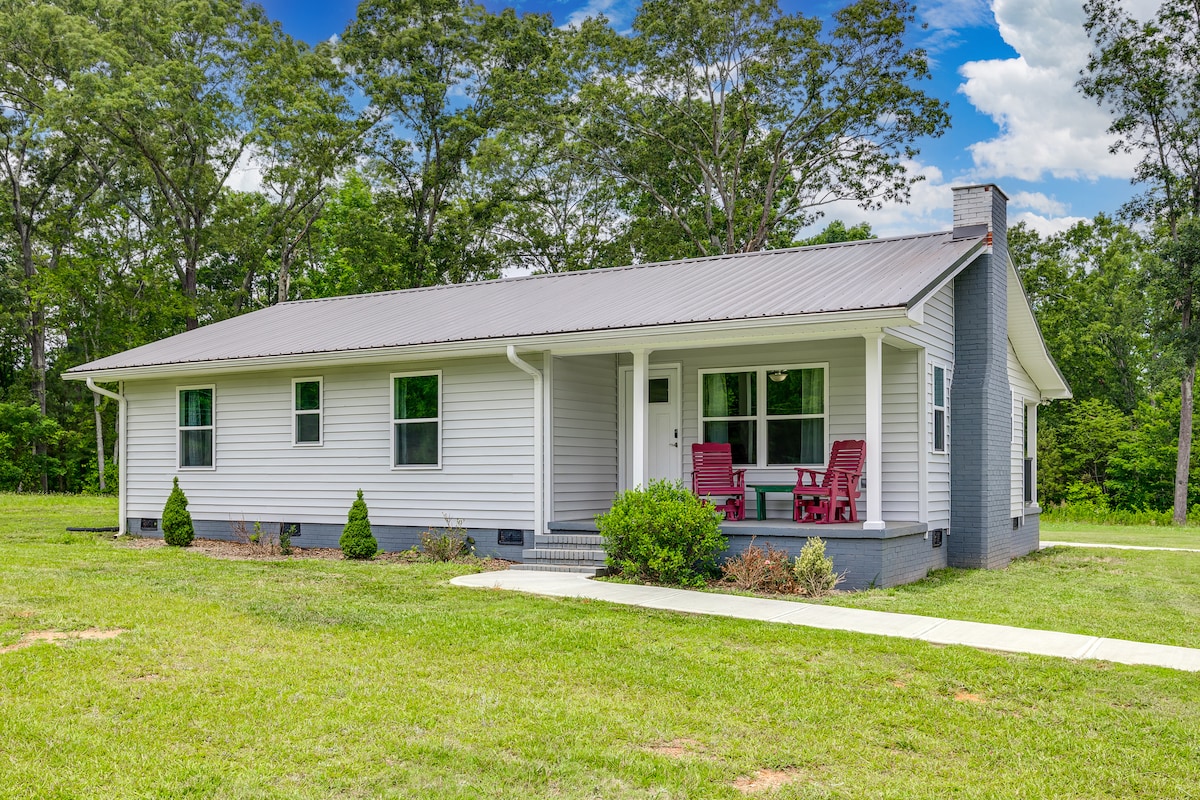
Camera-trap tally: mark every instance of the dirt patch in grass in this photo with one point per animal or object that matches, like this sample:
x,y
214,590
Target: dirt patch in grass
x,y
681,748
33,637
765,780
968,697
244,551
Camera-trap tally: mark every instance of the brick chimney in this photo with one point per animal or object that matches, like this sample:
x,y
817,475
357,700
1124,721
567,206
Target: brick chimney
x,y
980,397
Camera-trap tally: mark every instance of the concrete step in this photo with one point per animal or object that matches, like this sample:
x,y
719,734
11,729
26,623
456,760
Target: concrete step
x,y
558,540
574,568
565,556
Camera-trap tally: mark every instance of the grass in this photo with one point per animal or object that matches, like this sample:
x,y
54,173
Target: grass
x,y
336,679
1143,535
1123,594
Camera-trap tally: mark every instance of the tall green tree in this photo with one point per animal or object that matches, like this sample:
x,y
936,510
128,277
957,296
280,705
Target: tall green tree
x,y
1147,74
307,133
443,75
730,124
180,110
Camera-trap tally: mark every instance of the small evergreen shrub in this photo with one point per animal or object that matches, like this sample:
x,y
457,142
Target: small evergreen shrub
x,y
357,540
285,539
450,543
814,570
756,569
662,534
176,519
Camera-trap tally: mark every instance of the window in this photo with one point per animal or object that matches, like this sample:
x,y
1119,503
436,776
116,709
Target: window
x,y
196,427
769,417
306,411
416,420
939,410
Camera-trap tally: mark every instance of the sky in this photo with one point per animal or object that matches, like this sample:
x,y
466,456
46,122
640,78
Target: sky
x,y
1007,68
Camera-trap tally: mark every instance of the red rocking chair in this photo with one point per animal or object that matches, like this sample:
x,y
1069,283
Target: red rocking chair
x,y
831,498
713,475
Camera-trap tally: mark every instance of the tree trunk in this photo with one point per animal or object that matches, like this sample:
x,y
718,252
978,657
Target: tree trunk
x,y
99,438
1184,459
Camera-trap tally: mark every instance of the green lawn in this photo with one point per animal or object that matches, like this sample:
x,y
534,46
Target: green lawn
x,y
1145,596
332,679
1144,535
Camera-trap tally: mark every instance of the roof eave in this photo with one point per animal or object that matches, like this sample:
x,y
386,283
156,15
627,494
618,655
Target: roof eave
x,y
687,335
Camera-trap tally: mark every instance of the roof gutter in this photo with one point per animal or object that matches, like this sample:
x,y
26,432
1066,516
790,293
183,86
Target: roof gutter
x,y
122,471
539,427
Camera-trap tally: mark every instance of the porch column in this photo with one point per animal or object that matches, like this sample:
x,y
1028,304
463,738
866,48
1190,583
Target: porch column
x,y
874,403
641,380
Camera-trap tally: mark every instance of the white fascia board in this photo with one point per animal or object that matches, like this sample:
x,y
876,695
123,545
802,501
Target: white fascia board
x,y
838,324
1028,344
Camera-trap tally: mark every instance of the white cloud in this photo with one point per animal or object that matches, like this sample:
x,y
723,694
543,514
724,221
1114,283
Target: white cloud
x,y
1037,201
619,13
930,208
246,175
1046,125
1046,226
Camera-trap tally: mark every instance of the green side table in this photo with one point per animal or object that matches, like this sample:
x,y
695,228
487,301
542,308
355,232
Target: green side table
x,y
760,495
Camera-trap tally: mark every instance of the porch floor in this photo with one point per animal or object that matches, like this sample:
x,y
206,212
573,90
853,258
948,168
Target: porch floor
x,y
781,528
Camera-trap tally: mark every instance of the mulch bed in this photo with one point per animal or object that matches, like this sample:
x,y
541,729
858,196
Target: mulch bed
x,y
245,551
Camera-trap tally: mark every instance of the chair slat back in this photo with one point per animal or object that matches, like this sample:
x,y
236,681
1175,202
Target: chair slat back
x,y
848,455
712,467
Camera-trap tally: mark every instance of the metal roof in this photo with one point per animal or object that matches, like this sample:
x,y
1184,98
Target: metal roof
x,y
845,277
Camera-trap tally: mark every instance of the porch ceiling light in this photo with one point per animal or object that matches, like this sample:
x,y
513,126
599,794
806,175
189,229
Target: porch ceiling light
x,y
778,375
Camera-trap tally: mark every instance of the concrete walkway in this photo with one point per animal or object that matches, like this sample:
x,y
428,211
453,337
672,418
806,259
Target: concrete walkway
x,y
881,623
1118,546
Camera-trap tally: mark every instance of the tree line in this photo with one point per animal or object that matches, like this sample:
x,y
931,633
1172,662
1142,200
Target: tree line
x,y
168,164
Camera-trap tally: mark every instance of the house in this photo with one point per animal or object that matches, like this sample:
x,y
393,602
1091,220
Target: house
x,y
521,405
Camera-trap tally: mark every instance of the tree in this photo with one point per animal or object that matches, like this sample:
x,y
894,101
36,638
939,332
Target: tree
x,y
180,111
1147,74
307,132
836,231
442,75
729,124
1087,289
43,48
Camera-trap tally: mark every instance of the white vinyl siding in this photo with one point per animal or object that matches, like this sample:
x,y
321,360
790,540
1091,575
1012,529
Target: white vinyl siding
x,y
487,445
936,335
1023,391
901,434
584,391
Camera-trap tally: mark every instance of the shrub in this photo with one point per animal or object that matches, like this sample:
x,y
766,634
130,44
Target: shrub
x,y
357,540
176,519
814,570
760,570
662,534
285,539
447,544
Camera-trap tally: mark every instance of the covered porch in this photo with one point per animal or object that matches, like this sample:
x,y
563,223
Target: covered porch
x,y
620,419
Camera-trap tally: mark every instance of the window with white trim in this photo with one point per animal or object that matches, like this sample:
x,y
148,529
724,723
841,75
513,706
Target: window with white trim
x,y
940,391
196,427
307,403
769,416
417,419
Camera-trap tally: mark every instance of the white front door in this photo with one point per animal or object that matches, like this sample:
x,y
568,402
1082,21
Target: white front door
x,y
663,461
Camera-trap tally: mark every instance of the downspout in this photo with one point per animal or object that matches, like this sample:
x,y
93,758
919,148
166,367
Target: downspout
x,y
539,422
123,450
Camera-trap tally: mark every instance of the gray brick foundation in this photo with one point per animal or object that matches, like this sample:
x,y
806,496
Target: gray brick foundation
x,y
391,538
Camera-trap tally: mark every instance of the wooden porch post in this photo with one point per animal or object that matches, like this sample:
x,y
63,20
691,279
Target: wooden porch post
x,y
874,403
641,378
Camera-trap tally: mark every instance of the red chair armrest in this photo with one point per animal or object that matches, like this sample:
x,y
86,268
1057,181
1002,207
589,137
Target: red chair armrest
x,y
814,481
739,477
